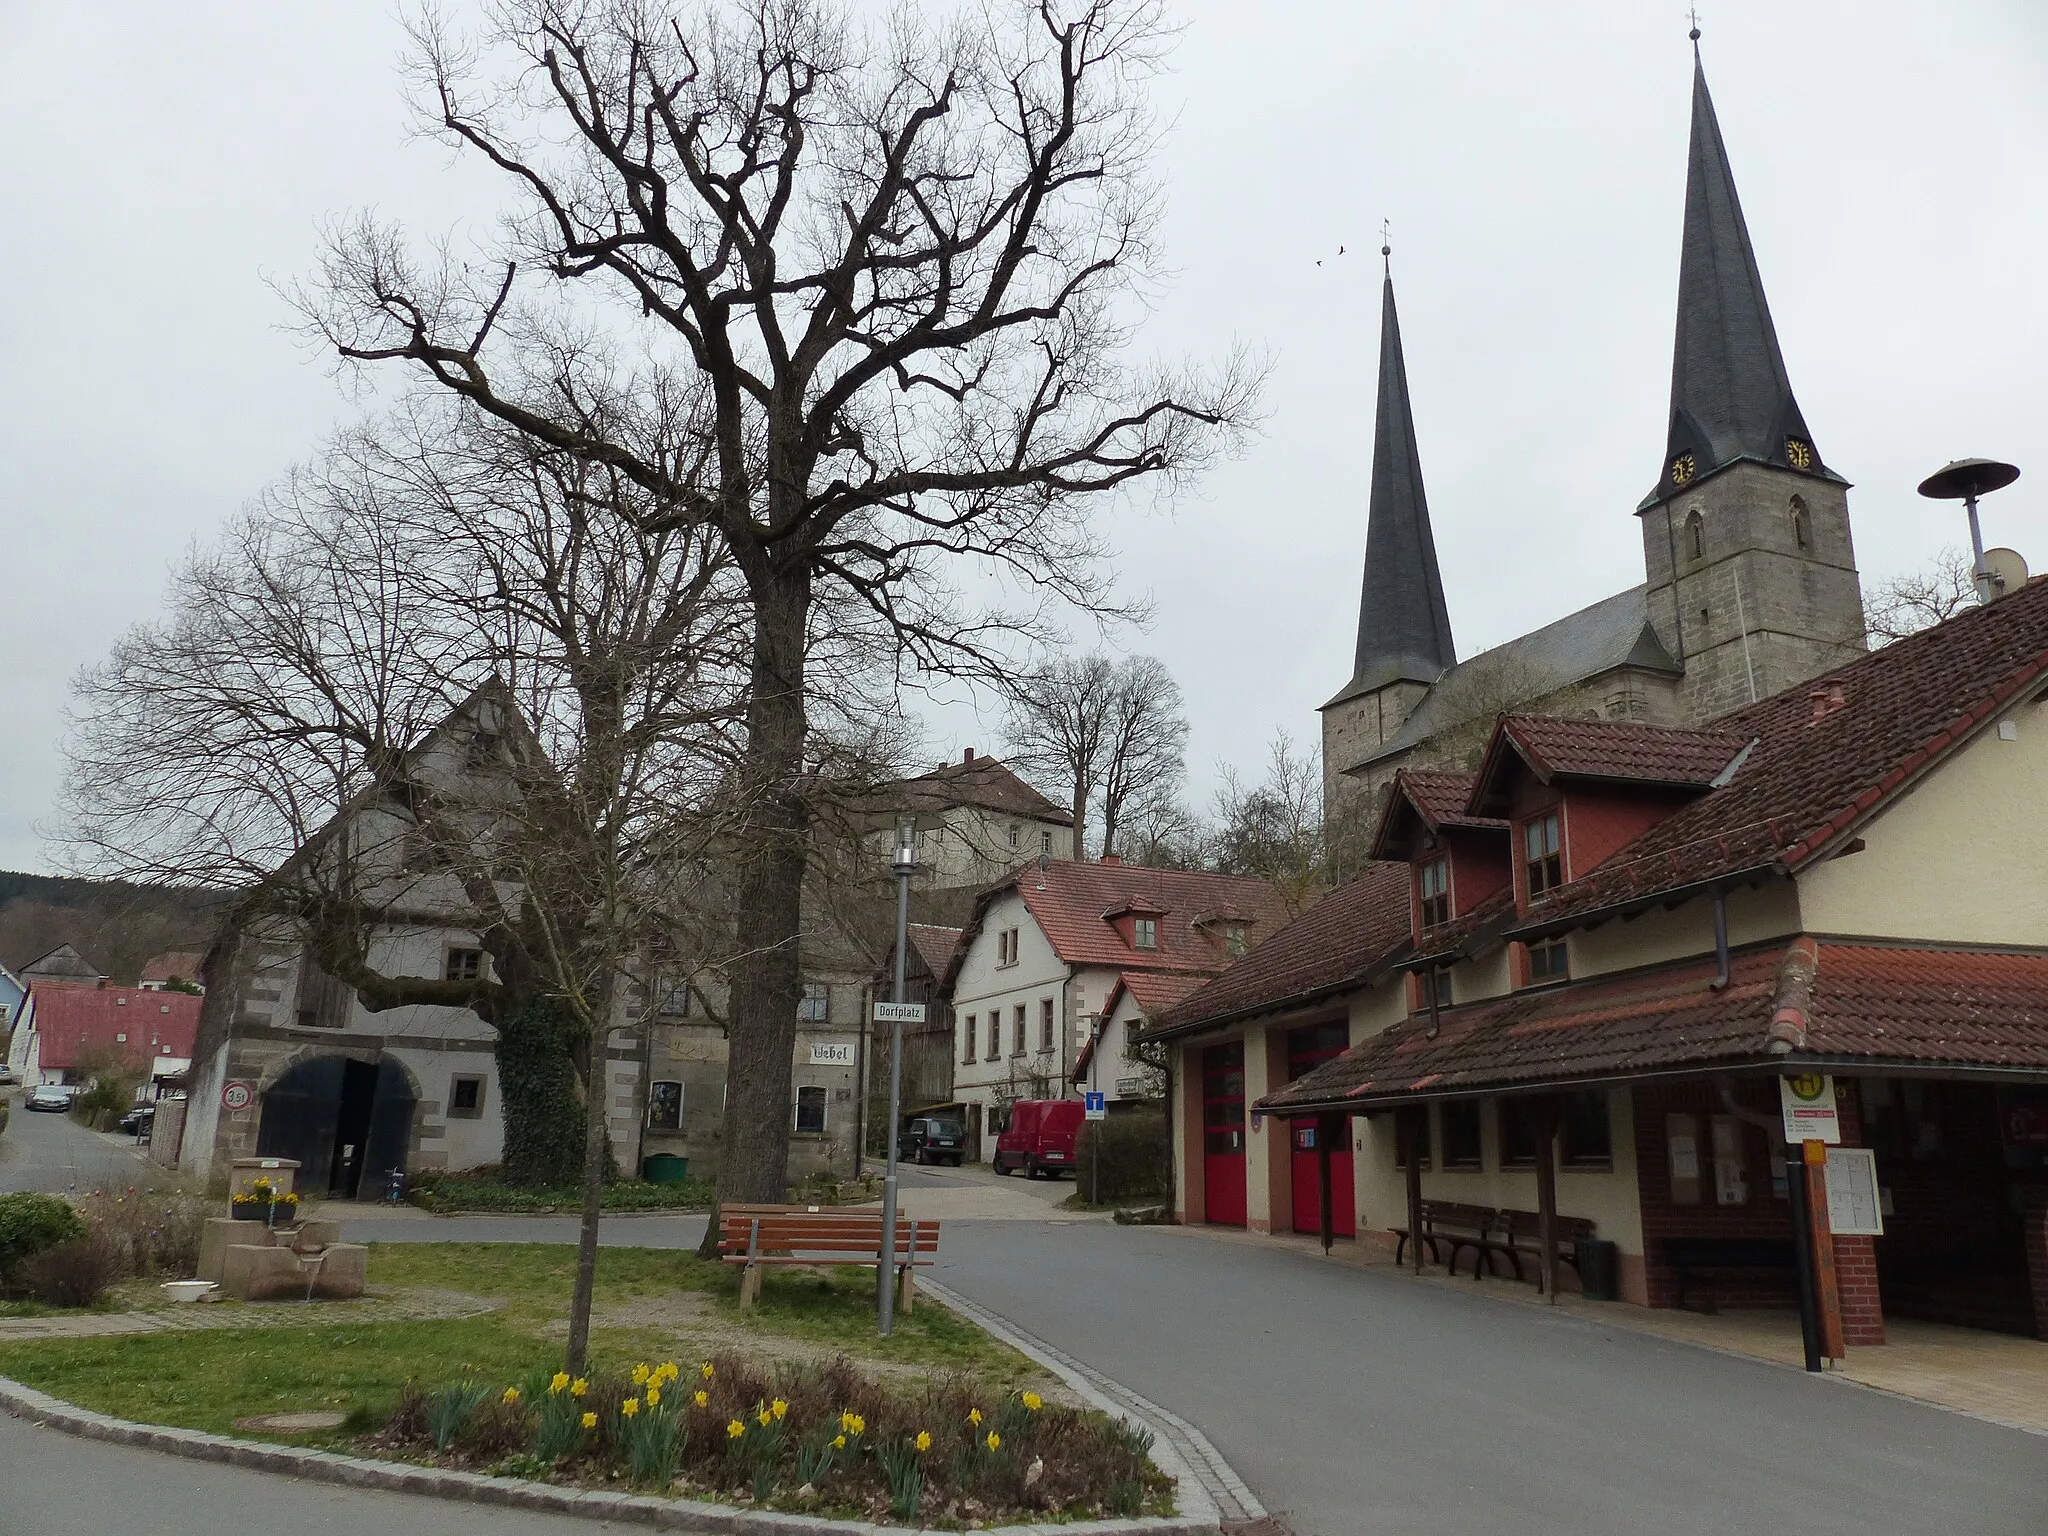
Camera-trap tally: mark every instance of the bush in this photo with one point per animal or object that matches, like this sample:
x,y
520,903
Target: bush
x,y
31,1223
154,1231
1136,1157
75,1273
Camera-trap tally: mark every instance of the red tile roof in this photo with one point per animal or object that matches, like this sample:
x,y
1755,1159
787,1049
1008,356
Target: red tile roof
x,y
1353,929
1852,1005
1626,750
176,965
1156,993
934,945
72,1021
1440,798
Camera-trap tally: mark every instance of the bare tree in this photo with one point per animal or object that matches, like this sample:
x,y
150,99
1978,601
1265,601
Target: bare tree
x,y
1110,736
1145,755
1274,829
1901,605
898,256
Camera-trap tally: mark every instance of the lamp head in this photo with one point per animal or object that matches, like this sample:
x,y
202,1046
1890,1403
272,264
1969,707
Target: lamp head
x,y
904,860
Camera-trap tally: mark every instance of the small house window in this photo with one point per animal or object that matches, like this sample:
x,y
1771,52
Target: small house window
x,y
1044,843
664,1106
810,1111
1540,855
1234,942
1016,834
1006,947
973,1024
1461,1134
1017,1032
1548,961
1433,880
1145,933
1517,1134
1695,536
995,1033
1802,528
464,965
671,998
1586,1134
1045,1024
466,1098
816,1007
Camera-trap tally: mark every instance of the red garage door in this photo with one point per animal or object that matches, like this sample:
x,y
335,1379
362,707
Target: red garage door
x,y
1223,1134
1307,1048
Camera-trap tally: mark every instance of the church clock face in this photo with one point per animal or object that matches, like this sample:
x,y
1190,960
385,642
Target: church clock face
x,y
1683,468
1798,453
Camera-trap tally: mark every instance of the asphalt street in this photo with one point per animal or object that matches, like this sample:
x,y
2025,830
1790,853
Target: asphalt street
x,y
57,1155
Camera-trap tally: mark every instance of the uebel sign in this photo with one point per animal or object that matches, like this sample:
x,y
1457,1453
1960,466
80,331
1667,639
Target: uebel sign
x,y
1808,1101
899,1013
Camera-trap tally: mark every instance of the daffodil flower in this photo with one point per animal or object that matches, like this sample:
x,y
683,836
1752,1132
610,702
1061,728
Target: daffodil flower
x,y
779,1408
839,1442
579,1386
765,1418
705,1370
1033,1401
702,1399
734,1430
640,1373
590,1421
630,1407
511,1394
974,1415
653,1396
923,1441
558,1381
995,1440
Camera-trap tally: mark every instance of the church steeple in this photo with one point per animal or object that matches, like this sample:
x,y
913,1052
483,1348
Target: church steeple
x,y
1404,629
1730,397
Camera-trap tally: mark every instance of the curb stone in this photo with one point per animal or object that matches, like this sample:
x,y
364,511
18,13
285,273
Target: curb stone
x,y
47,1412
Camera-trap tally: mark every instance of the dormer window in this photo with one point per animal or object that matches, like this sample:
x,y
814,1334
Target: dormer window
x,y
1234,942
1541,858
1433,886
1145,933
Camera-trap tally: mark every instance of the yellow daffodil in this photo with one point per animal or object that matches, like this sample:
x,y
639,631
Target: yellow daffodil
x,y
995,1441
559,1381
702,1399
640,1373
839,1442
853,1424
974,1415
764,1418
578,1387
923,1441
653,1396
734,1430
511,1394
705,1370
590,1421
1033,1401
630,1407
779,1408
669,1369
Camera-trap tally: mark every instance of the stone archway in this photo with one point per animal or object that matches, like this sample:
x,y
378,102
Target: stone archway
x,y
344,1120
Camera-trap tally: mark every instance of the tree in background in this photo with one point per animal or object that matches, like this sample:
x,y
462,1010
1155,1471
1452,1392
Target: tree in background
x,y
1273,829
1901,605
1108,736
884,272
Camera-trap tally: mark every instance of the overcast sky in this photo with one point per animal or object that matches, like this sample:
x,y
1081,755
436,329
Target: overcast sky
x,y
166,163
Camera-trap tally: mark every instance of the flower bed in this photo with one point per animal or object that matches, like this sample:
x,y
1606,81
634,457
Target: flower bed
x,y
822,1439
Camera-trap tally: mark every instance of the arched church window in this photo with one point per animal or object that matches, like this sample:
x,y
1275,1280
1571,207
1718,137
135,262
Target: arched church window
x,y
1695,535
1802,526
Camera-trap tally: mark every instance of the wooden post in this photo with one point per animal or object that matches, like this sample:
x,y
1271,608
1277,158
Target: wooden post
x,y
1325,1125
1826,1292
1416,1136
1546,1193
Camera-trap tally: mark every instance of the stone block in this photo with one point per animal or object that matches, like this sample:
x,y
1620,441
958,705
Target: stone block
x,y
344,1270
222,1233
252,1273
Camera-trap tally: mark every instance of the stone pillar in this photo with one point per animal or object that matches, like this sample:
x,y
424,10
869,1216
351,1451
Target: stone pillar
x,y
1266,1149
1856,1283
2037,1258
1188,1190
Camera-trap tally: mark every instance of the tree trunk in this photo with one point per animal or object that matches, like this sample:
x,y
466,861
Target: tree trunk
x,y
1080,810
542,1111
766,978
596,1155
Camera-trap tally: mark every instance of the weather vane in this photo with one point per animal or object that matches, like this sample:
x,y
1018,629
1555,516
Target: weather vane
x,y
1387,245
1695,14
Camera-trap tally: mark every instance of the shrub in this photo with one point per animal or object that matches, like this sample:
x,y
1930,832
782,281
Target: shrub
x,y
75,1273
31,1223
156,1231
1135,1153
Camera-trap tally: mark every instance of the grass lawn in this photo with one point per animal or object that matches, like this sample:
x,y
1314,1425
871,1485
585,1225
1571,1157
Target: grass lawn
x,y
207,1378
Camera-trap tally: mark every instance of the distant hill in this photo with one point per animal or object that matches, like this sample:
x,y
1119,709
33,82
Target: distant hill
x,y
117,925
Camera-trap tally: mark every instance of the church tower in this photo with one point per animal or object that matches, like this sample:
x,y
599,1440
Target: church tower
x,y
1752,574
1404,629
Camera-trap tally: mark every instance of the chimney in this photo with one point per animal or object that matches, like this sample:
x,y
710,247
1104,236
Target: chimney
x,y
967,756
1112,858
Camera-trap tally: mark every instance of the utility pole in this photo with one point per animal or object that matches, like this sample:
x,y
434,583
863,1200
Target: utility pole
x,y
903,865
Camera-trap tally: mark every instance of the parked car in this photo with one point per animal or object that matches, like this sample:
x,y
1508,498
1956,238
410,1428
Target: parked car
x,y
930,1140
1042,1137
52,1097
138,1120
6,1074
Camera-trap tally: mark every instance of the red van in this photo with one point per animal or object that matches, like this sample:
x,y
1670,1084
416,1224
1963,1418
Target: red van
x,y
1042,1137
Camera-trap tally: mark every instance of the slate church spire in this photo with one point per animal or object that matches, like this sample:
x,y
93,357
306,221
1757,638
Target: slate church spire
x,y
1404,629
1730,397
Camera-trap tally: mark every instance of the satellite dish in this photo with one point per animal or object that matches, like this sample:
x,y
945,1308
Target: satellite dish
x,y
2007,571
1967,479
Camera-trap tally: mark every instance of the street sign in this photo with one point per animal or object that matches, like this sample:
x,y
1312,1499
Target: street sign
x,y
1096,1106
1855,1204
237,1096
832,1054
899,1013
1808,1101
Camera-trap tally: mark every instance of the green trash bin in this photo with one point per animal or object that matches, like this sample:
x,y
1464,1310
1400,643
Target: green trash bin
x,y
1599,1268
665,1168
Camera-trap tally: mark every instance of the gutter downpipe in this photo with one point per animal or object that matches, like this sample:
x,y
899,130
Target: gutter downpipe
x,y
1721,961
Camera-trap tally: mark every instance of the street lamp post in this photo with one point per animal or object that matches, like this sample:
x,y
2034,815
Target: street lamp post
x,y
903,864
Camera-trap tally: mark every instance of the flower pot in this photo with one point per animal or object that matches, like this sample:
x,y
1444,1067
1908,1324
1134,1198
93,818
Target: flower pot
x,y
251,1210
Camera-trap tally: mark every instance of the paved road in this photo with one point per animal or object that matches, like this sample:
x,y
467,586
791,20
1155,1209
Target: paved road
x,y
1355,1400
56,1154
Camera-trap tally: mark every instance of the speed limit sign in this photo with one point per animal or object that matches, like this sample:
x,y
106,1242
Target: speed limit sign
x,y
236,1096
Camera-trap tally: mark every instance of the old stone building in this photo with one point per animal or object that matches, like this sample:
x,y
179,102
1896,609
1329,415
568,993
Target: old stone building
x,y
1750,571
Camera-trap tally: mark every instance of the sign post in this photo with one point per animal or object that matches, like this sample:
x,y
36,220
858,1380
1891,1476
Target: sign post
x,y
1812,1125
902,865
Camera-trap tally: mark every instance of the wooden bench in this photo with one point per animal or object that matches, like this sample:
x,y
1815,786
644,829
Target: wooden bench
x,y
1520,1235
1690,1256
1450,1224
758,1236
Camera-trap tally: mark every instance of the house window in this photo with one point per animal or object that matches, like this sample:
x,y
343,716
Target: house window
x,y
1234,943
1422,983
1696,535
1017,1032
1461,1134
1016,835
810,1111
1145,933
1802,528
463,965
1411,1132
1588,1138
816,1007
671,997
972,1024
1006,947
1045,1024
1548,961
1433,882
1541,860
995,1033
1517,1134
664,1106
1044,844
466,1098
